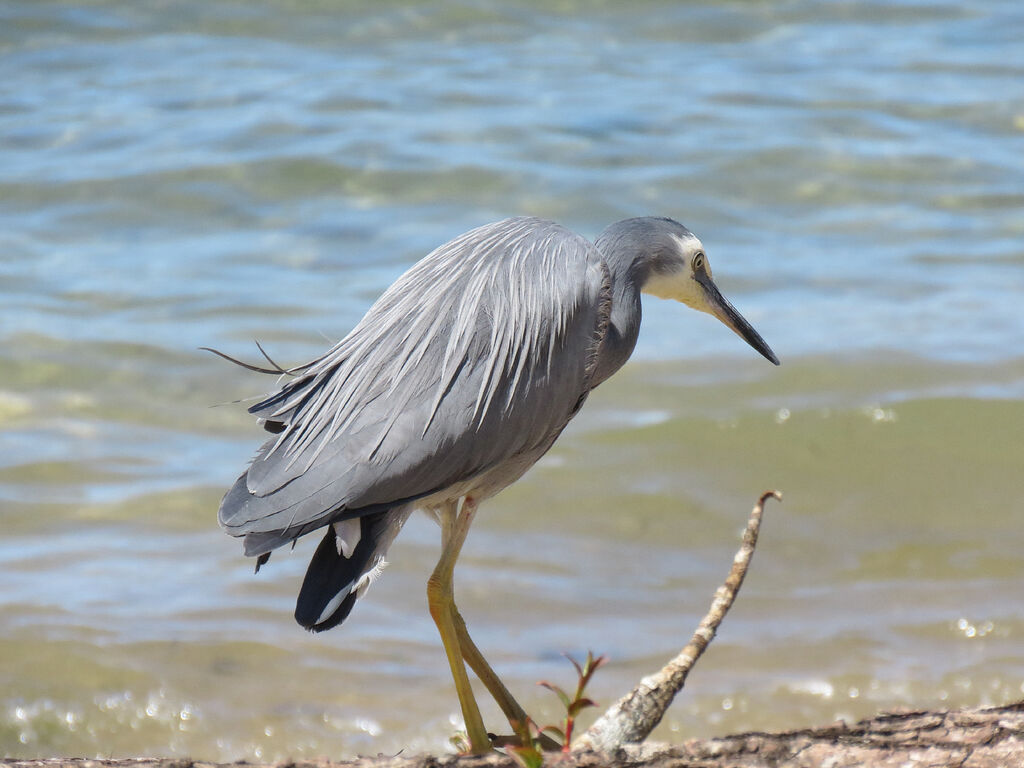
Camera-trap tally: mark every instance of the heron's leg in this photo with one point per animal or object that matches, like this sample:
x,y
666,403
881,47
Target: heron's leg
x,y
441,599
516,715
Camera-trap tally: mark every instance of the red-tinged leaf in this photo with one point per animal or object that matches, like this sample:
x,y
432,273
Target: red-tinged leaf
x,y
579,705
579,669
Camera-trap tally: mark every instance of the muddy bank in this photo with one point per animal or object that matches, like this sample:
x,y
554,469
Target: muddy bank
x,y
966,738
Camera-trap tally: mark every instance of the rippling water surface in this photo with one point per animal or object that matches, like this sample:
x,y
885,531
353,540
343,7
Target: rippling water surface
x,y
187,174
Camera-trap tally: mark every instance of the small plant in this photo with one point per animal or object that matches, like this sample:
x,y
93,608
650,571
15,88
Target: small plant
x,y
529,756
460,742
577,703
532,755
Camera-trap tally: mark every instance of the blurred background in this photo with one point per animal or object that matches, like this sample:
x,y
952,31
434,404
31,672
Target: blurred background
x,y
181,174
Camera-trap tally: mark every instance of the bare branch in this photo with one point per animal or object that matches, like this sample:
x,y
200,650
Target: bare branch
x,y
632,718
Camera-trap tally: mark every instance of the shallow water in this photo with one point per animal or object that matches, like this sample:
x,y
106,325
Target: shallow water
x,y
208,174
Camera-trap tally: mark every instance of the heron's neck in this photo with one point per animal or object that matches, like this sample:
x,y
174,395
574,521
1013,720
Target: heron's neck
x,y
623,328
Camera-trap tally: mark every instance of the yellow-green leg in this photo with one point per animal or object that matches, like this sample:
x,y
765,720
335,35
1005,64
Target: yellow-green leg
x,y
441,599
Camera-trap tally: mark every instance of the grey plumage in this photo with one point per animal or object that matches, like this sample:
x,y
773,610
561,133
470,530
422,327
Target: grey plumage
x,y
455,382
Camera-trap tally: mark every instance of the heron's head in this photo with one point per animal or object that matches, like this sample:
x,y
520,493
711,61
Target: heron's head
x,y
669,261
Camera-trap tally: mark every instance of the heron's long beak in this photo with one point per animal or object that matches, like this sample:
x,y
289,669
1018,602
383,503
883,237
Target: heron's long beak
x,y
720,307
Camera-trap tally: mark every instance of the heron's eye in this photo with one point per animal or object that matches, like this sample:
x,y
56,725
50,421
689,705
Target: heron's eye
x,y
699,263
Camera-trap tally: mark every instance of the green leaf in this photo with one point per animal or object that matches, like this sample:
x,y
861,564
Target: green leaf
x,y
555,731
562,695
528,757
592,665
460,742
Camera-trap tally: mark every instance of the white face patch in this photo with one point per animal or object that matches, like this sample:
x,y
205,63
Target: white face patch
x,y
680,285
348,532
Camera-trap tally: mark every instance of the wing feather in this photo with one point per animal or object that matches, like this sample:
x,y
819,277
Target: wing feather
x,y
474,359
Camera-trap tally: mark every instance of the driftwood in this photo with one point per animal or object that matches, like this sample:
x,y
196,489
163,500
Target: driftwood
x,y
631,719
965,738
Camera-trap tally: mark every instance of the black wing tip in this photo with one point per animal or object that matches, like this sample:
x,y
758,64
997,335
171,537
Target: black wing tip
x,y
307,617
334,577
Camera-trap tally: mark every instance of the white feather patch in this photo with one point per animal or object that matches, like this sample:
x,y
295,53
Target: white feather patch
x,y
348,532
332,606
369,577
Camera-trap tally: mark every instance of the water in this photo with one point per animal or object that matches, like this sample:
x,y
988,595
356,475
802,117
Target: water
x,y
193,174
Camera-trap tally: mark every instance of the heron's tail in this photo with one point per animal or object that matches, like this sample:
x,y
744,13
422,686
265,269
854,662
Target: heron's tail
x,y
347,561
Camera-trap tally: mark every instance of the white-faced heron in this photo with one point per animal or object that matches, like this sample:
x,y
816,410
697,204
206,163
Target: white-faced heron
x,y
457,380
